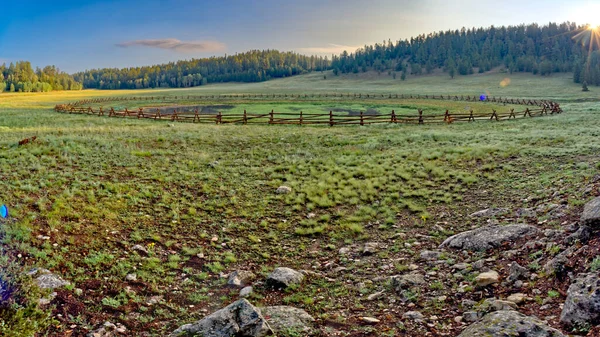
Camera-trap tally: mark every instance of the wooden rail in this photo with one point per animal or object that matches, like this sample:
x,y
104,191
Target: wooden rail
x,y
539,108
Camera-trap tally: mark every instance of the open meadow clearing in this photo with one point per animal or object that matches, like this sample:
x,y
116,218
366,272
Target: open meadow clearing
x,y
180,206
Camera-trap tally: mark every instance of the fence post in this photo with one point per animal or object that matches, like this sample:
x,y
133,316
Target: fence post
x,y
245,117
196,117
101,113
512,114
471,117
140,113
219,118
446,116
362,122
300,117
394,119
330,118
421,116
271,117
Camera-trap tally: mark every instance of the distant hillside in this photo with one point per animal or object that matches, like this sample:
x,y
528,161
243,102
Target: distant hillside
x,y
252,66
538,50
21,77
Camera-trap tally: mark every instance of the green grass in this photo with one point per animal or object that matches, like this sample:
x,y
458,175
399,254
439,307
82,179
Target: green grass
x,y
97,186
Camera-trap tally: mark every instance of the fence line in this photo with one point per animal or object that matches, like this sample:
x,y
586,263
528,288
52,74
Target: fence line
x,y
542,108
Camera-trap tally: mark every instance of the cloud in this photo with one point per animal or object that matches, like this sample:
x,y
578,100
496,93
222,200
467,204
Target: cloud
x,y
177,45
329,49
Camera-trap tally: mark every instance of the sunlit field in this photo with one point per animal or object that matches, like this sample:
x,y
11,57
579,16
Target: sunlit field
x,y
202,201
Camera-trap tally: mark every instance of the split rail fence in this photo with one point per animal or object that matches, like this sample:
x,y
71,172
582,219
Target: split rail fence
x,y
538,109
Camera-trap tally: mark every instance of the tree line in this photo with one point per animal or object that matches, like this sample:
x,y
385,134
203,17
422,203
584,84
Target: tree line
x,y
21,77
252,66
525,48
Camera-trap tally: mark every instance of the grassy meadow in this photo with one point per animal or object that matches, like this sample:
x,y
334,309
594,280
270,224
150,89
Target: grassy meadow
x,y
201,198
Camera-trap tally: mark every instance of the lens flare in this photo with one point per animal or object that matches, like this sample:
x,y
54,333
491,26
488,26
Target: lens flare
x,y
505,82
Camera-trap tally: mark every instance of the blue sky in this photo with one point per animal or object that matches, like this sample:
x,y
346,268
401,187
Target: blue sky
x,y
85,34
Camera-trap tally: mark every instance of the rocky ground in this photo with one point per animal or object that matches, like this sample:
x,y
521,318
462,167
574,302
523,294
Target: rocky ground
x,y
501,278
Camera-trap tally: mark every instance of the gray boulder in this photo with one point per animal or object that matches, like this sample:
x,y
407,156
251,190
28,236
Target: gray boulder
x,y
287,320
406,281
283,277
582,306
517,272
591,214
507,323
239,319
488,237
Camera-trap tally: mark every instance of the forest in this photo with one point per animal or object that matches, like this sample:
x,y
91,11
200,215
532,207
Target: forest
x,y
252,66
536,49
21,77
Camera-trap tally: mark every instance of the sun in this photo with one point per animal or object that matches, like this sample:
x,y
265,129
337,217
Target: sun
x,y
593,27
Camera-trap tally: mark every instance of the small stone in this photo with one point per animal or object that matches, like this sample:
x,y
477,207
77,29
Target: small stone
x,y
370,320
283,190
487,278
517,298
283,277
344,251
370,248
460,266
430,255
413,267
413,315
131,277
240,278
246,291
375,296
458,319
140,249
470,316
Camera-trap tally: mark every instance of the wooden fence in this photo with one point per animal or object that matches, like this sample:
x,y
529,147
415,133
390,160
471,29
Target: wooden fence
x,y
540,108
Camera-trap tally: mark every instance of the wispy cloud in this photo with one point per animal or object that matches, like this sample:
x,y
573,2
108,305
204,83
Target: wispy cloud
x,y
329,49
177,45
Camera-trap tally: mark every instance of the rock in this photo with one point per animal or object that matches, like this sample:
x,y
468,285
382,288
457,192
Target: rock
x,y
488,237
510,324
413,316
471,316
108,329
283,190
430,255
591,214
517,272
140,248
375,296
240,278
557,264
582,306
582,234
154,300
489,212
370,248
478,265
246,291
492,304
370,320
283,277
239,319
344,251
284,319
460,266
517,298
407,281
458,319
131,277
46,280
526,213
487,278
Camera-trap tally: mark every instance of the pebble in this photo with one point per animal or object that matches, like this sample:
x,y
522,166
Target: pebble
x,y
370,320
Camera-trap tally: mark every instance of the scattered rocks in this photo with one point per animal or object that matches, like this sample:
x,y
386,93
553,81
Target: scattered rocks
x,y
487,278
556,265
288,319
582,234
46,280
591,214
283,277
283,190
489,212
246,291
240,278
526,213
582,306
488,237
108,329
239,319
510,324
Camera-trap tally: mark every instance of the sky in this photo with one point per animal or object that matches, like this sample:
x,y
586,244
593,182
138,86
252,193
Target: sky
x,y
76,35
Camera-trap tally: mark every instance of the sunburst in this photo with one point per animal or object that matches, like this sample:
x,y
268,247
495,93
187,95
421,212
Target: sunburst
x,y
589,36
